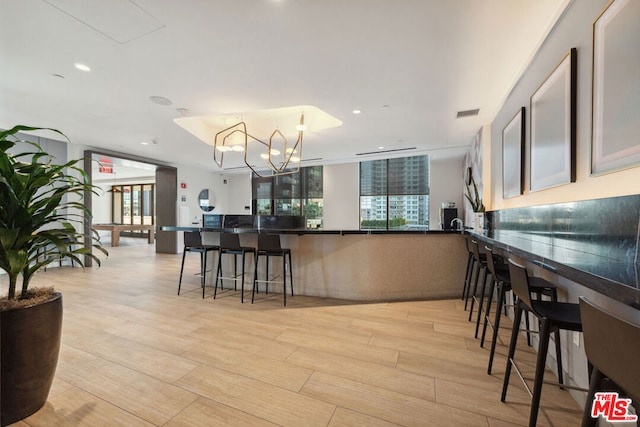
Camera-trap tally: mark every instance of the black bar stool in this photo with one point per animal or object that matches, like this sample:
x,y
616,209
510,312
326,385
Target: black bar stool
x,y
612,345
498,271
268,246
230,244
469,272
552,316
538,286
481,265
193,243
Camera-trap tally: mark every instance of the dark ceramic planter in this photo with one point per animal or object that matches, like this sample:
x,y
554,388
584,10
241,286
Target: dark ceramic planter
x,y
30,344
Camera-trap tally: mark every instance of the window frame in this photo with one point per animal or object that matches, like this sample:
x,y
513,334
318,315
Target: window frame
x,y
390,198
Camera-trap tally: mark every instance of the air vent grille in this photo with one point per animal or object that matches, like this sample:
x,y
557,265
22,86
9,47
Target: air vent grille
x,y
467,113
395,150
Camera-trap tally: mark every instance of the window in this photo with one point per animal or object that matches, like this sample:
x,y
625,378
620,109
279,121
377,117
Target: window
x,y
394,193
133,204
299,193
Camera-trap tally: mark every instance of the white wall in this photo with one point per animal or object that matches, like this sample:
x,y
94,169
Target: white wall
x,y
445,185
101,205
341,196
239,194
195,180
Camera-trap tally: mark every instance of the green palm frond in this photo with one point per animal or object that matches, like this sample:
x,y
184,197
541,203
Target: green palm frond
x,y
41,207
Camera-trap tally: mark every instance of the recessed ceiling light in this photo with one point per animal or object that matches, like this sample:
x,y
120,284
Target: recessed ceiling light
x,y
160,100
183,111
385,106
357,111
381,148
82,67
60,76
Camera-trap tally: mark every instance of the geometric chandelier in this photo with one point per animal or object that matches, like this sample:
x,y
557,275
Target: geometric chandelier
x,y
290,155
266,137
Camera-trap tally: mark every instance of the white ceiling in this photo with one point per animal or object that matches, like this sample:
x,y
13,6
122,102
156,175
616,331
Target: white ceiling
x,y
409,65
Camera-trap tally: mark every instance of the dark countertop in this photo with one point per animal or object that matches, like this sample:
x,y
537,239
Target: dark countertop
x,y
304,231
575,257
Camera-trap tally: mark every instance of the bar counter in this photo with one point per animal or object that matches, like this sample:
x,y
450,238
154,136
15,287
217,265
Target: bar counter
x,y
595,265
364,265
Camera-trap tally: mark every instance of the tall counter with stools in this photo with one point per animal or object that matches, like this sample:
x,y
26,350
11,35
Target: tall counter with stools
x,y
588,250
355,265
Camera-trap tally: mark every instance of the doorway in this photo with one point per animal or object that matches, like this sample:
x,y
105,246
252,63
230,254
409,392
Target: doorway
x,y
150,188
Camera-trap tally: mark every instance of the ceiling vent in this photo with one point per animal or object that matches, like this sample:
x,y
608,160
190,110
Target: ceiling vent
x,y
467,113
395,150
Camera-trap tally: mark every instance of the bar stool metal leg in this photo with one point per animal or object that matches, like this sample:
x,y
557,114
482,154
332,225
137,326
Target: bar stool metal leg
x,y
181,271
472,273
481,300
467,276
496,325
475,288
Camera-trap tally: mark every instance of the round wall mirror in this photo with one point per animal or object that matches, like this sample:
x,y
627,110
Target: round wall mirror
x,y
207,200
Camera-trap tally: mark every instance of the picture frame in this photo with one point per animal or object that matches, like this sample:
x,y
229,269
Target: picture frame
x,y
513,145
615,86
553,127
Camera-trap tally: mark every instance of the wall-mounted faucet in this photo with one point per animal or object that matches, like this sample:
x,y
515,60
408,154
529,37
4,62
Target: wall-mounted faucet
x,y
461,228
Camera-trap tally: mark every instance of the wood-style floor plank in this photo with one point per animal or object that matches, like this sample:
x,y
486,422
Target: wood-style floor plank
x,y
387,405
135,353
274,404
206,412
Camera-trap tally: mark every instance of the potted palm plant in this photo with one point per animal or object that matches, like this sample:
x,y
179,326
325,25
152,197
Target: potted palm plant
x,y
476,204
41,203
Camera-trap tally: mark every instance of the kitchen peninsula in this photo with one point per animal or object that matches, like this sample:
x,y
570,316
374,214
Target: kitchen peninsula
x,y
355,264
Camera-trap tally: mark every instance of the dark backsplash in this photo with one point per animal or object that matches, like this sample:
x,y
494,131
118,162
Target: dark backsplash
x,y
606,227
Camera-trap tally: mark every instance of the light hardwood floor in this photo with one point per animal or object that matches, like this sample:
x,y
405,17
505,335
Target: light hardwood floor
x,y
136,354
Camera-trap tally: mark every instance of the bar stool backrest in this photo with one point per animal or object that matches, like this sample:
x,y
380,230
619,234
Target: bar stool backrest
x,y
612,345
192,239
269,243
469,240
520,284
490,261
230,241
475,250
